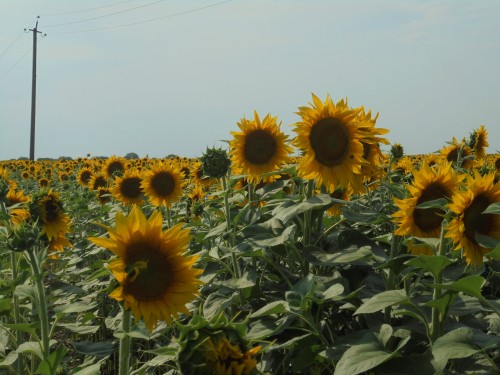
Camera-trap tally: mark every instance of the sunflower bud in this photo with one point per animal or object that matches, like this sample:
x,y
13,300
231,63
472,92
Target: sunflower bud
x,y
397,151
215,162
23,237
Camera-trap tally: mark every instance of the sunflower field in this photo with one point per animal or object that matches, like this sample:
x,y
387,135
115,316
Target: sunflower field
x,y
319,253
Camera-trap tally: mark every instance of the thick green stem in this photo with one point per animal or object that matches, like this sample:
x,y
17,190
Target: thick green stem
x,y
391,276
436,318
308,214
125,341
17,313
42,302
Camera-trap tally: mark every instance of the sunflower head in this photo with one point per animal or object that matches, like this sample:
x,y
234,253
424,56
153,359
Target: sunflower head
x,y
115,166
470,221
163,184
397,151
215,347
478,141
215,162
330,136
259,148
155,278
127,189
47,209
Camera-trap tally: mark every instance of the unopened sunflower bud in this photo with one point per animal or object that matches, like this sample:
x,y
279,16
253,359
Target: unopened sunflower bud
x,y
215,162
397,151
23,237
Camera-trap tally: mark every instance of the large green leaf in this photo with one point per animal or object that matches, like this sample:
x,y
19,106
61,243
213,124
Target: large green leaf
x,y
276,307
290,209
458,343
382,300
432,263
318,257
95,349
470,285
49,366
367,354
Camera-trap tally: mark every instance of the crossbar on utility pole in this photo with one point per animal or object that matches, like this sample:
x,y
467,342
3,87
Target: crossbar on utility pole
x,y
33,93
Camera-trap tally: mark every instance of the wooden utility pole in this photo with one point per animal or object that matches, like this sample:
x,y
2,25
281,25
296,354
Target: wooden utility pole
x,y
33,93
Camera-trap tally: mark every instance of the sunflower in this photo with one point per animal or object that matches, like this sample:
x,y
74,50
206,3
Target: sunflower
x,y
469,205
48,209
340,194
127,189
163,184
429,184
43,182
103,195
458,153
84,176
115,165
198,176
330,137
259,148
156,279
479,141
97,181
226,358
18,214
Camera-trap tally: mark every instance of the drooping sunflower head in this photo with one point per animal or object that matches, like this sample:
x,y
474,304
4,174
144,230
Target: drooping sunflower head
x,y
329,135
163,184
127,189
47,208
115,166
155,278
259,147
215,347
397,151
470,221
429,184
479,141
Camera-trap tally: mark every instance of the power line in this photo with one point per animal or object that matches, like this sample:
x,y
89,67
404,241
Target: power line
x,y
17,62
144,21
15,40
106,15
87,9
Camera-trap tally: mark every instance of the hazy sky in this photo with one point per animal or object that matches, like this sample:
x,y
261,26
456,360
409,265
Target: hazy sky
x,y
180,84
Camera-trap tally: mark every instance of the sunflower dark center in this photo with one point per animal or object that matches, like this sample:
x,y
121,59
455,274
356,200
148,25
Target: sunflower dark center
x,y
260,147
330,141
100,181
199,173
131,187
452,155
150,273
497,164
85,176
429,219
51,211
163,184
115,167
474,219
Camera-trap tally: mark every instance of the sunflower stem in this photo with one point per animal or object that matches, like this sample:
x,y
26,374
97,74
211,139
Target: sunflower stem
x,y
125,341
231,236
436,318
42,302
308,214
17,314
391,276
169,217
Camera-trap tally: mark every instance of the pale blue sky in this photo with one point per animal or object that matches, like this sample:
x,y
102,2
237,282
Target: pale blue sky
x,y
181,84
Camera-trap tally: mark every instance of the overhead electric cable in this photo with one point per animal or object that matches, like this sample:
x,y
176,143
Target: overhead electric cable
x,y
105,15
17,62
144,21
87,9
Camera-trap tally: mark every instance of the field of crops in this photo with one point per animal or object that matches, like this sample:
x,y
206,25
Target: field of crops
x,y
313,254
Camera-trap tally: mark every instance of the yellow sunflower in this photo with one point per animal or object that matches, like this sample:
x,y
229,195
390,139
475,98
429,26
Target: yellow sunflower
x,y
330,137
429,184
456,152
48,209
115,165
163,184
469,205
43,182
84,176
156,279
479,142
127,189
103,195
18,214
259,148
226,358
